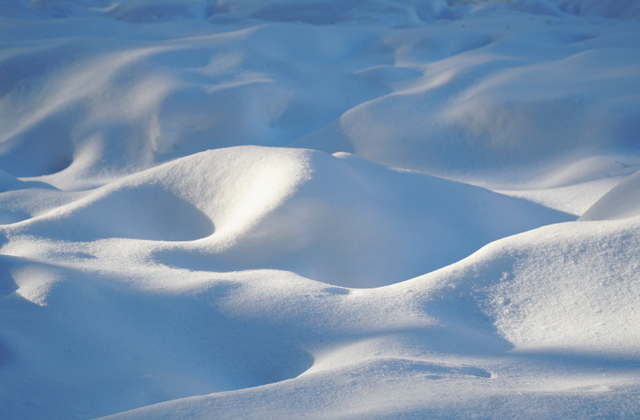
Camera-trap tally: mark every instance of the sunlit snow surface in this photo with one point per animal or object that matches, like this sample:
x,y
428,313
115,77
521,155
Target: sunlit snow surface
x,y
325,209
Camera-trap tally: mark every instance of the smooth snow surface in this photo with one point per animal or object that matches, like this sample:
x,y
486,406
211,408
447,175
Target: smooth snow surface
x,y
327,209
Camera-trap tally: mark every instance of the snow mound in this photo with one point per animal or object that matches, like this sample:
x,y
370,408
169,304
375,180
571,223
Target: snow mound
x,y
481,106
589,284
339,219
559,306
621,9
252,209
197,345
621,202
471,98
187,199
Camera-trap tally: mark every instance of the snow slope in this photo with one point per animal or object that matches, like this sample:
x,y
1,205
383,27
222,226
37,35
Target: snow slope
x,y
356,209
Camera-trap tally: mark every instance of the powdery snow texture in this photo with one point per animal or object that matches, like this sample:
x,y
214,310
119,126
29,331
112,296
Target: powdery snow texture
x,y
399,209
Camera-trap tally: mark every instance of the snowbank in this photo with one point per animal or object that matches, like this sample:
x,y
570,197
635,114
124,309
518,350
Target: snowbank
x,y
358,209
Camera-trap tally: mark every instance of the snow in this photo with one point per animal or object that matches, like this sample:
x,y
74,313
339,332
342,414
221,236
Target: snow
x,y
399,209
619,203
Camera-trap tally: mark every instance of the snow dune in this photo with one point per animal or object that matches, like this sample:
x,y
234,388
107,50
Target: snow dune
x,y
341,220
399,209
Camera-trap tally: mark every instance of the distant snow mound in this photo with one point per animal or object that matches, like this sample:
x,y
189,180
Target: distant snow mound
x,y
149,11
475,111
326,12
42,9
400,13
134,11
313,12
618,9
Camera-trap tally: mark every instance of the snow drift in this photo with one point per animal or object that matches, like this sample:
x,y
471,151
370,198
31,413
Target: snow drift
x,y
398,209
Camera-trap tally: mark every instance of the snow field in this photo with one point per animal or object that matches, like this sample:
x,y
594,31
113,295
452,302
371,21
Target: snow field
x,y
398,209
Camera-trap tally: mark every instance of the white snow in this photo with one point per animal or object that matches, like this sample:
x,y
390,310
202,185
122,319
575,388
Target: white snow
x,y
355,209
